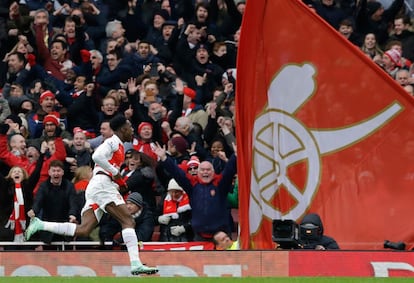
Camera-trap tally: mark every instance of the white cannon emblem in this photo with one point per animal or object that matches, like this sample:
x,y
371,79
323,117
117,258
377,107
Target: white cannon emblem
x,y
281,140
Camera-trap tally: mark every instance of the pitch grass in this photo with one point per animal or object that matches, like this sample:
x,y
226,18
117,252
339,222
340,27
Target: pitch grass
x,y
149,279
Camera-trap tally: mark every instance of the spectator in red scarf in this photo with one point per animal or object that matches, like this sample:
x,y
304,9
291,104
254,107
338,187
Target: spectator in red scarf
x,y
144,143
17,191
175,220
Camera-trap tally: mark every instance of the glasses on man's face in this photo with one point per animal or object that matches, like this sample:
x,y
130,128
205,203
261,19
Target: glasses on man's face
x,y
93,57
194,168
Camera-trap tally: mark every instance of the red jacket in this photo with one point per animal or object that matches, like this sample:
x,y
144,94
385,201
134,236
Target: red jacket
x,y
12,160
49,64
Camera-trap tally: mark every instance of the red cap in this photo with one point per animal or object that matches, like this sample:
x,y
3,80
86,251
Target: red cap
x,y
189,92
78,130
51,118
142,125
45,94
194,161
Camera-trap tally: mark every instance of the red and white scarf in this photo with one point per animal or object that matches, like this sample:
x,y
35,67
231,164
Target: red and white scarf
x,y
17,220
172,207
146,147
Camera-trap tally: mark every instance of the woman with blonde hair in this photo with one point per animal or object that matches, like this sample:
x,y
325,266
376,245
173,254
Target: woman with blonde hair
x,y
371,48
16,199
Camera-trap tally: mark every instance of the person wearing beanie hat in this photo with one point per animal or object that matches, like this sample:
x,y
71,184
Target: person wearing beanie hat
x,y
142,125
110,229
192,165
144,218
394,55
46,94
51,125
136,199
175,220
173,185
180,144
194,161
177,148
51,118
143,142
391,62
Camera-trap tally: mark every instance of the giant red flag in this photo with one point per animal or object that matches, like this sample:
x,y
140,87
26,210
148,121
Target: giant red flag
x,y
320,128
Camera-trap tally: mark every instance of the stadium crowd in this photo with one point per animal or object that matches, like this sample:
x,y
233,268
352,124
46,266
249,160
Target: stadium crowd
x,y
168,66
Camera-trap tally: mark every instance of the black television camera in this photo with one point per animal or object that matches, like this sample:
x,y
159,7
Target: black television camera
x,y
394,245
290,235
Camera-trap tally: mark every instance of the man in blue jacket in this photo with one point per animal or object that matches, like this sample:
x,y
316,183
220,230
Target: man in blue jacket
x,y
207,192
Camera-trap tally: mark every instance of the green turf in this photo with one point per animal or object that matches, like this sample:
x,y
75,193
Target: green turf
x,y
203,280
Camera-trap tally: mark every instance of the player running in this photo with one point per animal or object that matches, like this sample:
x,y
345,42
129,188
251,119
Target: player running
x,y
102,195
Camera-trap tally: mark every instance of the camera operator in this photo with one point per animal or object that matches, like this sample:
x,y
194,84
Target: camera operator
x,y
311,234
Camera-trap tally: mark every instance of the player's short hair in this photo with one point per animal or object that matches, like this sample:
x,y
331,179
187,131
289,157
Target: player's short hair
x,y
117,122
